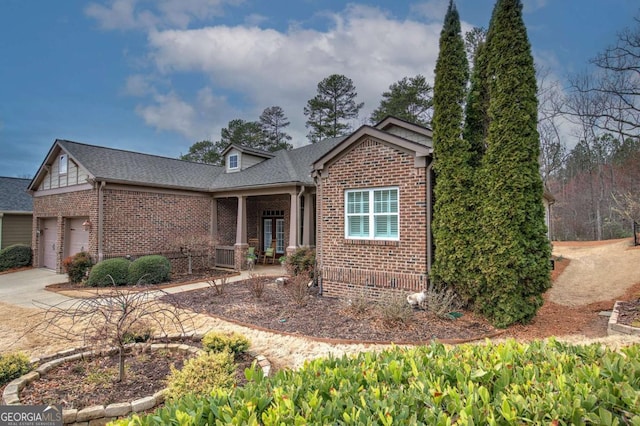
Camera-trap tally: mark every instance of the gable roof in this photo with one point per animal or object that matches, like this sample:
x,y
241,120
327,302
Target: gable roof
x,y
247,150
14,196
119,166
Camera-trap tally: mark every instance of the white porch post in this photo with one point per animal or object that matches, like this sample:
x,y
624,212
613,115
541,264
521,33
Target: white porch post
x,y
307,221
293,223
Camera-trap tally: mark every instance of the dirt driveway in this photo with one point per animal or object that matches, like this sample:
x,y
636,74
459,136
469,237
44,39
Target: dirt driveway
x,y
598,271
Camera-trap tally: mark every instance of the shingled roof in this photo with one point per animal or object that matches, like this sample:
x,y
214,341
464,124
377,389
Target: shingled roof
x,y
14,196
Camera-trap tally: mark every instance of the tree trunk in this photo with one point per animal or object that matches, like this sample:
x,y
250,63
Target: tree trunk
x,y
121,357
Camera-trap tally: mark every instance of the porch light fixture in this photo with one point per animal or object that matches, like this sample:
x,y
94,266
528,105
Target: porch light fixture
x,y
86,225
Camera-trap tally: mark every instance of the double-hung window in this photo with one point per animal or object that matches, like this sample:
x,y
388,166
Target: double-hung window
x,y
233,161
372,214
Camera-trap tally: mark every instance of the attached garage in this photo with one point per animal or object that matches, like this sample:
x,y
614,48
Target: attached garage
x,y
49,239
76,236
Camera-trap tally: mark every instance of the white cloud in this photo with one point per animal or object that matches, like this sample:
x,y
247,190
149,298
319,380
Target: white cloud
x,y
533,5
267,67
431,9
147,14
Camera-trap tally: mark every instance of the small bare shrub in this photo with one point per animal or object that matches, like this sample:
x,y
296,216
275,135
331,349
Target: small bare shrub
x,y
297,288
218,285
359,304
441,302
256,285
394,310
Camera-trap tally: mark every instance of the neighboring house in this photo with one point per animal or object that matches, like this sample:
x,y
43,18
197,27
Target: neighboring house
x,y
364,201
16,206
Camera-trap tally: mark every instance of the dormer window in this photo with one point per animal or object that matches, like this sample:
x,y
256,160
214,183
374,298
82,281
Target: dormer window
x,y
64,162
233,161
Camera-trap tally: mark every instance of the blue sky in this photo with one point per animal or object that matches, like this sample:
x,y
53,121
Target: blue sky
x,y
158,75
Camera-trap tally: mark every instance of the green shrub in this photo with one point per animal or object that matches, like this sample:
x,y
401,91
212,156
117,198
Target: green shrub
x,y
201,375
15,256
109,272
301,261
152,269
77,266
12,366
544,382
220,342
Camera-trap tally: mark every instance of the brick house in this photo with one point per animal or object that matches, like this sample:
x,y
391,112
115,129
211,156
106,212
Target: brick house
x,y
364,201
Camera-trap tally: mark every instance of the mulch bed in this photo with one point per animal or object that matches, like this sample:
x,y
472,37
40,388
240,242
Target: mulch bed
x,y
326,317
89,382
629,313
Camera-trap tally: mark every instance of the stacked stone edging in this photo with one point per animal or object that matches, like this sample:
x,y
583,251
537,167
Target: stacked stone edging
x,y
615,328
100,414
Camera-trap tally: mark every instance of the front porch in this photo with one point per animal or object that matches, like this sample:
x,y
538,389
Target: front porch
x,y
282,221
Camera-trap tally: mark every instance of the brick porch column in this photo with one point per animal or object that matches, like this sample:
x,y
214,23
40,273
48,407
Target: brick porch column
x,y
241,245
307,221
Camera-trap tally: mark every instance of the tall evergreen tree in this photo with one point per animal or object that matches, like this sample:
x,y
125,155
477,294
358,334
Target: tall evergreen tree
x,y
452,217
513,249
273,122
331,109
410,99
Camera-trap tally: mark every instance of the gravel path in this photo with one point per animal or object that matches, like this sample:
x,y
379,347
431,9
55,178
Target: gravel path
x,y
597,272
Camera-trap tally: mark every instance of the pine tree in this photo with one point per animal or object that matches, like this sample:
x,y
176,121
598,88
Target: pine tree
x,y
513,248
273,121
452,218
331,109
410,99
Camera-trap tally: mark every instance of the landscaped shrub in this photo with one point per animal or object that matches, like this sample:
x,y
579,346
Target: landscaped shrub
x,y
303,260
201,375
15,256
77,266
109,272
152,269
544,382
215,341
12,366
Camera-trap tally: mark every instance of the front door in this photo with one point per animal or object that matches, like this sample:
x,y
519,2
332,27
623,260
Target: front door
x,y
273,230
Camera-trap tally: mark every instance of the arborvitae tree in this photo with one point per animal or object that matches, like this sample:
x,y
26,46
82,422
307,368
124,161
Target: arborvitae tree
x,y
513,250
410,99
452,218
476,108
273,121
331,109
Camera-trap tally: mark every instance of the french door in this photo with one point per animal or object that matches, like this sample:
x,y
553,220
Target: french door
x,y
273,230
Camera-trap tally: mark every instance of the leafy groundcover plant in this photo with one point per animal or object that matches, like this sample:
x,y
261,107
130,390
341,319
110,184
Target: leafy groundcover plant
x,y
544,382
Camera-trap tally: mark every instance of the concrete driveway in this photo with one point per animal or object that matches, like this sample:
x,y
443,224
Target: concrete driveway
x,y
27,288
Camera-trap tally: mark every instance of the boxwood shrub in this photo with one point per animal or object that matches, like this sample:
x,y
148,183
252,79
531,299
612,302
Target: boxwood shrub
x,y
215,341
544,382
109,272
15,256
12,366
201,375
152,269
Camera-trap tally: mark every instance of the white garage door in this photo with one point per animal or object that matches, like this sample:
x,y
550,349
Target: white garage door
x,y
48,237
77,238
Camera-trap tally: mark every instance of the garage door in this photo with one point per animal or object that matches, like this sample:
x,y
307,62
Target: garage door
x,y
48,235
77,238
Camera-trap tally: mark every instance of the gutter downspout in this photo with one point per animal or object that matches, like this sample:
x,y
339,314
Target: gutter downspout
x,y
300,219
101,221
429,217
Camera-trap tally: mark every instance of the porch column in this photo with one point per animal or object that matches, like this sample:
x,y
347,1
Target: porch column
x,y
307,221
293,223
241,233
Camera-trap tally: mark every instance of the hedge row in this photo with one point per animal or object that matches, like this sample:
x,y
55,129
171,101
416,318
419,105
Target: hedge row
x,y
544,382
152,269
15,256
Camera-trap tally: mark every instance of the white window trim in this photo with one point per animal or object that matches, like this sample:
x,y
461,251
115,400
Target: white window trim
x,y
371,214
63,160
237,162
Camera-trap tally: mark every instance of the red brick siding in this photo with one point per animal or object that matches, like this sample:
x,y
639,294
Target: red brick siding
x,y
147,222
371,164
227,217
61,206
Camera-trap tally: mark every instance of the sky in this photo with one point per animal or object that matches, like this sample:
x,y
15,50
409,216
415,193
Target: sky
x,y
156,76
